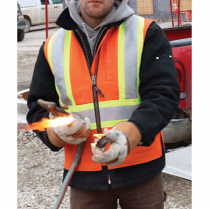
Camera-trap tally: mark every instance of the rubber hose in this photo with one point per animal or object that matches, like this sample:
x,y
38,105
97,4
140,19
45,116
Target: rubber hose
x,y
69,175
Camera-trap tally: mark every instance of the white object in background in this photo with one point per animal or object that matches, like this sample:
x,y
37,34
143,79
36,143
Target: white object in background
x,y
179,163
27,3
22,108
21,102
34,10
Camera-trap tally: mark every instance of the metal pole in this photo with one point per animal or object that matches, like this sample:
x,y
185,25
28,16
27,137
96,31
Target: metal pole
x,y
178,12
177,9
171,13
179,18
46,15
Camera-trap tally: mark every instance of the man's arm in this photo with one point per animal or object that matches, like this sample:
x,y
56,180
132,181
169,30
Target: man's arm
x,y
159,90
42,87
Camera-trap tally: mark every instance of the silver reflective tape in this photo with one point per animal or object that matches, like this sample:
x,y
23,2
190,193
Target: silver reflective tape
x,y
87,113
130,57
57,59
117,113
109,113
183,95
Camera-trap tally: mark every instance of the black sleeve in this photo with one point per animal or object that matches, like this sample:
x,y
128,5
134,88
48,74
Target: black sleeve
x,y
159,88
42,87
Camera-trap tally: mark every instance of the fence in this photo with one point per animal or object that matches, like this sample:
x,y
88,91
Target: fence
x,y
161,12
166,13
52,11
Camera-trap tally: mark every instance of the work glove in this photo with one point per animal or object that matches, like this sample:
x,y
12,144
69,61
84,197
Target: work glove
x,y
65,132
117,152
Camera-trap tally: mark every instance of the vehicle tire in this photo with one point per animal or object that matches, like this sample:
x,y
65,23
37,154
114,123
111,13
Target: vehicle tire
x,y
27,22
20,35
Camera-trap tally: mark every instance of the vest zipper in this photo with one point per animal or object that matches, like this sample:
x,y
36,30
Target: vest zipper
x,y
95,89
96,102
93,79
98,41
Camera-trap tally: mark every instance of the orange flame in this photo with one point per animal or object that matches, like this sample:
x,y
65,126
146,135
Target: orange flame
x,y
99,136
46,123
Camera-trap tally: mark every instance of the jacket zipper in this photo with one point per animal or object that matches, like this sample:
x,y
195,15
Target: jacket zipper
x,y
95,89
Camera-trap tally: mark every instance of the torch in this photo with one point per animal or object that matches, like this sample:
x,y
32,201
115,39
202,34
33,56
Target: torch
x,y
62,118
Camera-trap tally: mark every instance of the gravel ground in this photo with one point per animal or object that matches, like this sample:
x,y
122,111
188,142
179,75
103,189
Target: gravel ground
x,y
26,63
40,175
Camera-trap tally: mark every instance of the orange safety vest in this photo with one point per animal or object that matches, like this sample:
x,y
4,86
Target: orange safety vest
x,y
118,78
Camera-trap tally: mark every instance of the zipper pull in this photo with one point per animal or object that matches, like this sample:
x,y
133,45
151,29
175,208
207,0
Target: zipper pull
x,y
99,91
93,78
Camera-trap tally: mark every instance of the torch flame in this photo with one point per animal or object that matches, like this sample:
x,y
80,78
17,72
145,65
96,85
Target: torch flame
x,y
46,123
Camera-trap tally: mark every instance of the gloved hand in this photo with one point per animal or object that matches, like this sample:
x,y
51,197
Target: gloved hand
x,y
117,152
70,134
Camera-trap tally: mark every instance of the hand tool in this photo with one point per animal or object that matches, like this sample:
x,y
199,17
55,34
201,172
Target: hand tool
x,y
53,108
59,111
102,142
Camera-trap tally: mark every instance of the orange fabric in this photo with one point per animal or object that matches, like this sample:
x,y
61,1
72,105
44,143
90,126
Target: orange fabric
x,y
46,47
81,84
138,155
107,76
107,82
46,50
108,69
86,163
147,23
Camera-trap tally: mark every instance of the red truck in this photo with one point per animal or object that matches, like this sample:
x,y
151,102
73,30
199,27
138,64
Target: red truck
x,y
179,128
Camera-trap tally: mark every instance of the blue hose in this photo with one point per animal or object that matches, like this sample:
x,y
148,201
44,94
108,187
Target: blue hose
x,y
69,175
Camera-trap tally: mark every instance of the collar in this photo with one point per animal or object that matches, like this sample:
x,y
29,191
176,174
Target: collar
x,y
66,22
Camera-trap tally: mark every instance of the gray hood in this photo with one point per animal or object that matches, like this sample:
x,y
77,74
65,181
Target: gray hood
x,y
119,12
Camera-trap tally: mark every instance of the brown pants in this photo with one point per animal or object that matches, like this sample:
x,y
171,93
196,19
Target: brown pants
x,y
148,195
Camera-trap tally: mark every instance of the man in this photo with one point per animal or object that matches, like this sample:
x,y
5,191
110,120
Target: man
x,y
116,69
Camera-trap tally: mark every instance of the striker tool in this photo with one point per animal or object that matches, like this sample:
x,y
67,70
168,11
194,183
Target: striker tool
x,y
102,142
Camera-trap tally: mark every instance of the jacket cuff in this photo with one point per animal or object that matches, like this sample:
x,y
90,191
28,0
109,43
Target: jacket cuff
x,y
45,139
145,141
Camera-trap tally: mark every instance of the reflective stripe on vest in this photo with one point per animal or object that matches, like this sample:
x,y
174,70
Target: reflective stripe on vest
x,y
118,78
130,45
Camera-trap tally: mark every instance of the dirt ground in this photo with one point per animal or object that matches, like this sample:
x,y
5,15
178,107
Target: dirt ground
x,y
178,189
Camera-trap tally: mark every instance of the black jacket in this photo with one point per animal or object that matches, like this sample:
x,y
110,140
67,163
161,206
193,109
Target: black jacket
x,y
159,91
